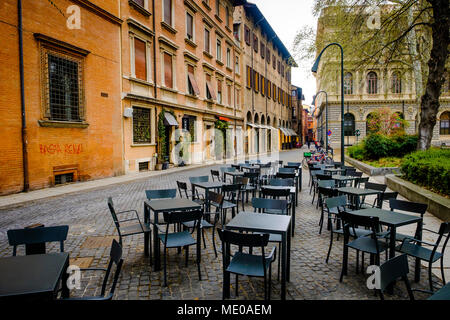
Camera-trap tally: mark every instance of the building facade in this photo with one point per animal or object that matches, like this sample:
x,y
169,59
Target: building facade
x,y
267,101
365,91
70,96
298,114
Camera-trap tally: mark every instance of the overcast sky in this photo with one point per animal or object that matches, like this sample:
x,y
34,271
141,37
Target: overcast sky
x,y
286,17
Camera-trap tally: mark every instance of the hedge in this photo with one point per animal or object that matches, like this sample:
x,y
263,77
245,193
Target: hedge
x,y
430,168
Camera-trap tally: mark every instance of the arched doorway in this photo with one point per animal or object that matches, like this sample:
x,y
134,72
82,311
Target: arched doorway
x,y
444,123
370,127
256,148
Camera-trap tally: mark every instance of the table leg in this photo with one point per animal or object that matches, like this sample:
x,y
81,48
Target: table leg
x,y
156,250
293,215
418,236
390,288
65,293
288,263
283,264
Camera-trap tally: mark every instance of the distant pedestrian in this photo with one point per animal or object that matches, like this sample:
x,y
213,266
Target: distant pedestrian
x,y
308,142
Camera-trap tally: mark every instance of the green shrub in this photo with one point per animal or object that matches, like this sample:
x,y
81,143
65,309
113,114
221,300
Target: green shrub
x,y
429,168
376,146
357,151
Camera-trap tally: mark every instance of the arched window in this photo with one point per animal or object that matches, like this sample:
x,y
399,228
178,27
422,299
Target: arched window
x,y
249,117
372,83
263,120
396,83
444,128
256,118
348,83
369,127
349,125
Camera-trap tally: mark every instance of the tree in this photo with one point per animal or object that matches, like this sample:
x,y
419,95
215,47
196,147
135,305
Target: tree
x,y
411,34
386,122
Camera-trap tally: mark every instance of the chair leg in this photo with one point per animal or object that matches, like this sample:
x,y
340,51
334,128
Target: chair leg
x,y
430,274
214,240
357,261
237,285
198,264
442,271
279,262
165,266
187,256
265,288
331,244
344,263
203,236
270,281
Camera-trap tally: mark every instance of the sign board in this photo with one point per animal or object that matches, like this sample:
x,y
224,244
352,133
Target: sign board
x,y
329,132
357,133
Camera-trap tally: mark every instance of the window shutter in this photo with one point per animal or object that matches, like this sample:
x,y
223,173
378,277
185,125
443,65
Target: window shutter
x,y
191,78
168,12
207,40
190,26
210,87
140,65
168,81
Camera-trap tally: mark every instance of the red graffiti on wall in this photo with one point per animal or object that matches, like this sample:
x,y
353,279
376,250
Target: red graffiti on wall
x,y
70,148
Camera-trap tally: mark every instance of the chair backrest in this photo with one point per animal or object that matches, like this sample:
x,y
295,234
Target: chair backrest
x,y
323,177
316,172
349,171
282,182
216,198
375,186
444,229
231,191
336,202
242,180
354,173
393,269
228,169
389,195
294,164
199,179
263,204
284,175
115,257
244,239
361,180
182,188
215,174
276,193
326,183
182,216
353,221
161,194
408,206
286,170
18,237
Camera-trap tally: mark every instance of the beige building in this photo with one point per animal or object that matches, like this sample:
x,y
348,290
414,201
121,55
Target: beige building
x,y
266,84
367,90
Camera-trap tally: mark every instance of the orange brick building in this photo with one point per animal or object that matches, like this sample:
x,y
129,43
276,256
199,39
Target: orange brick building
x,y
71,93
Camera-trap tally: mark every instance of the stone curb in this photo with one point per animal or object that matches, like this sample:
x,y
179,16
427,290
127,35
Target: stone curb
x,y
370,170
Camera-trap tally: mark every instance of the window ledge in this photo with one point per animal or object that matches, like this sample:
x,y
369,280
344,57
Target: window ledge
x,y
168,89
228,29
140,81
63,124
191,96
209,55
229,69
218,18
220,63
139,8
134,145
168,27
206,5
190,42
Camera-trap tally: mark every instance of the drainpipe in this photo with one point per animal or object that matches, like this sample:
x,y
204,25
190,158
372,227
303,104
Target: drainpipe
x,y
26,183
155,89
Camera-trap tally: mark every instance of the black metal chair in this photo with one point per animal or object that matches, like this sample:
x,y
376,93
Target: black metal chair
x,y
413,247
161,194
215,174
377,202
232,194
360,181
129,228
227,169
314,173
392,270
325,189
386,196
183,189
253,183
369,243
282,182
245,263
216,201
181,239
319,177
41,235
409,207
272,206
115,257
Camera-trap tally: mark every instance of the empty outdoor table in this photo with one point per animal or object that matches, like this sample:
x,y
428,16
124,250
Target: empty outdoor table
x,y
343,179
394,220
34,276
164,205
265,223
333,170
355,193
234,174
293,196
210,185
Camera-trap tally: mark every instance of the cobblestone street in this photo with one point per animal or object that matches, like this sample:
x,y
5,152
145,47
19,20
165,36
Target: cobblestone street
x,y
91,231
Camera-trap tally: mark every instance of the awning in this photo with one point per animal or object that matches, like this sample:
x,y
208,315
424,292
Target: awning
x,y
284,131
293,133
169,120
253,125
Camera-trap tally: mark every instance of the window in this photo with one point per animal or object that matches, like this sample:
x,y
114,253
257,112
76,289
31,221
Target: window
x,y
63,87
269,89
143,166
236,66
228,58
237,32
348,83
218,8
140,59
140,2
274,92
282,71
274,62
256,80
168,70
263,50
229,101
219,50
279,66
262,81
349,125
189,26
372,83
444,123
167,18
396,83
210,93
227,17
192,84
249,77
268,55
238,97
255,42
207,46
219,91
141,125
188,123
247,35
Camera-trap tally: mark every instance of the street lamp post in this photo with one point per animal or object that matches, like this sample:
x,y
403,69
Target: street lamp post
x,y
314,69
326,115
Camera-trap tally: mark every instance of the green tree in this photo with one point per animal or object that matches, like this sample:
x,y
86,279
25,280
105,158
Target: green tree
x,y
411,34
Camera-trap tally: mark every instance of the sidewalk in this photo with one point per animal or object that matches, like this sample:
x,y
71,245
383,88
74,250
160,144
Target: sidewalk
x,y
17,199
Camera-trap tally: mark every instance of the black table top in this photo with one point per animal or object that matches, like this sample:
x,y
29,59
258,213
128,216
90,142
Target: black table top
x,y
343,178
176,204
260,222
291,189
358,191
32,274
389,218
209,184
234,173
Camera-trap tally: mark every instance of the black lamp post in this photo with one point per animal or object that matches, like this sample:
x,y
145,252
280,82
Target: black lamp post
x,y
314,69
326,114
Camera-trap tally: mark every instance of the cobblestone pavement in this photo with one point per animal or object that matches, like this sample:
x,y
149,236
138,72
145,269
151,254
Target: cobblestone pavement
x,y
92,228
